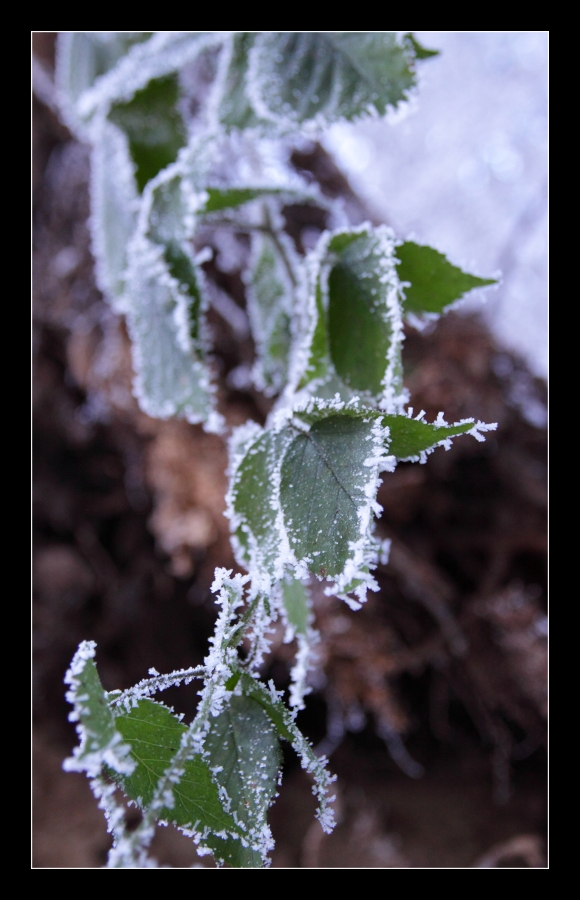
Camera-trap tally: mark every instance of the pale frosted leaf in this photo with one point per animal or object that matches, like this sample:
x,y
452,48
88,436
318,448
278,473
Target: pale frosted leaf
x,y
296,77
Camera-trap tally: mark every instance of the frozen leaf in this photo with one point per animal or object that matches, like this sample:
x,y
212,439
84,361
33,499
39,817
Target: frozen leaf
x,y
355,334
165,311
164,54
114,201
100,742
153,126
244,755
433,282
252,501
83,56
154,735
295,77
410,437
363,312
270,295
323,489
234,107
284,724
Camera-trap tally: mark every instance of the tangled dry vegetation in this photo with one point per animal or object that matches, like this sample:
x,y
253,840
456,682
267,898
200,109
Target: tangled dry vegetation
x,y
431,699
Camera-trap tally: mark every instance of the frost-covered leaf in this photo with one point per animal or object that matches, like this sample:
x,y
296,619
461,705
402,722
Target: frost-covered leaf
x,y
284,724
83,56
154,735
364,328
244,755
325,489
355,332
114,201
234,108
303,493
153,126
270,294
434,282
165,53
100,742
410,437
252,500
165,309
295,77
296,604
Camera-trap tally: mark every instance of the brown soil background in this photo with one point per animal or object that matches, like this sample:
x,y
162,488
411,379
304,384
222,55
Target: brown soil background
x,y
441,675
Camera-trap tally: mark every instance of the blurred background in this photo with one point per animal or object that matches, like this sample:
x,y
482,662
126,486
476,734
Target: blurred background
x,y
431,701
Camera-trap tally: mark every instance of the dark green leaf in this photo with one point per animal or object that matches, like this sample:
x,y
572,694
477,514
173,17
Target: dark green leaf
x,y
435,282
154,735
329,75
323,488
153,126
230,198
360,322
244,754
411,436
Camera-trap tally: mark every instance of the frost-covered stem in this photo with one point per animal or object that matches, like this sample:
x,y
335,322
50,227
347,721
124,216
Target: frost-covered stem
x,y
153,685
219,667
237,634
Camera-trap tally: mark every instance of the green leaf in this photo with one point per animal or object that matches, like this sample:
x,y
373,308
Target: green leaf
x,y
323,488
284,723
244,754
274,708
230,198
353,343
296,604
419,51
254,517
153,125
300,76
270,295
434,281
409,437
100,742
154,735
363,321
